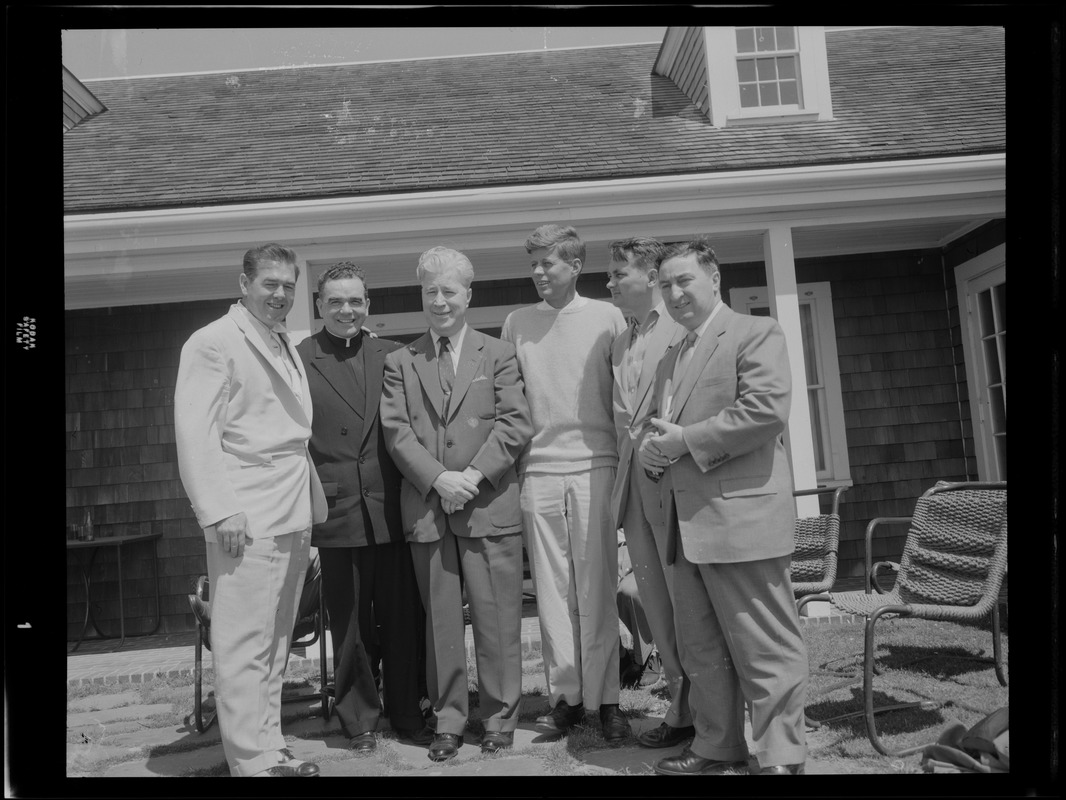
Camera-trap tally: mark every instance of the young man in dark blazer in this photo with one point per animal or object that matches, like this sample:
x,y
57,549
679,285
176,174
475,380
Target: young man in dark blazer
x,y
367,574
455,419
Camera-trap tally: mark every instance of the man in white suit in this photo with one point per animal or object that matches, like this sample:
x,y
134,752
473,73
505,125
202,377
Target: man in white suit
x,y
721,402
242,415
634,283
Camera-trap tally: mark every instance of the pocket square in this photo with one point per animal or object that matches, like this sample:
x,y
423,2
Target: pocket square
x,y
480,378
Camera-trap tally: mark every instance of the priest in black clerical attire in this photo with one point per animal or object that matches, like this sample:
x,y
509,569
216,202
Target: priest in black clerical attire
x,y
367,576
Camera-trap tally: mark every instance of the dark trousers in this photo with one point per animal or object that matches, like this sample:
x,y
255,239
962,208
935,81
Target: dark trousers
x,y
366,588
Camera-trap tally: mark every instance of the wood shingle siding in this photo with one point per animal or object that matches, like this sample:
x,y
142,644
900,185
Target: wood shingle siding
x,y
121,462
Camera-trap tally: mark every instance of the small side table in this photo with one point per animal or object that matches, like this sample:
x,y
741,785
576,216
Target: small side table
x,y
94,546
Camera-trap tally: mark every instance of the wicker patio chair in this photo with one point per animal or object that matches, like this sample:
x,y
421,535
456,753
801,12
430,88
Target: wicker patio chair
x,y
309,628
814,561
953,565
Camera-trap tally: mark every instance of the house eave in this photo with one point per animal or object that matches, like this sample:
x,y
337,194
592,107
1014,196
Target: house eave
x,y
103,247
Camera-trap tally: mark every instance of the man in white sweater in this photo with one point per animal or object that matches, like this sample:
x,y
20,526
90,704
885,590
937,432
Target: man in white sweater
x,y
566,474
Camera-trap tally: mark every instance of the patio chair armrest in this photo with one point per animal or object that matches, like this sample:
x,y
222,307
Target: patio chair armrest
x,y
869,542
823,597
892,565
837,492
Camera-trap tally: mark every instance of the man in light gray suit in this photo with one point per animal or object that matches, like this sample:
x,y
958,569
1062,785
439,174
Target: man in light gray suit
x,y
634,283
721,402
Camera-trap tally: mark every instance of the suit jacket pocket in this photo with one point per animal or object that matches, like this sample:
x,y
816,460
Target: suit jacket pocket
x,y
329,488
504,510
748,486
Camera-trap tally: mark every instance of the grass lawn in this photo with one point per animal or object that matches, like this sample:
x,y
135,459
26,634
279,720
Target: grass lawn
x,y
947,666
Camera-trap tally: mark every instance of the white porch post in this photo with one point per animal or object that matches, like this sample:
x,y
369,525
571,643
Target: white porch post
x,y
784,306
299,320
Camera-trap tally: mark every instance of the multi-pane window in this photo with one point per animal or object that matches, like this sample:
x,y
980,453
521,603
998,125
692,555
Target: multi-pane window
x,y
992,329
824,399
768,67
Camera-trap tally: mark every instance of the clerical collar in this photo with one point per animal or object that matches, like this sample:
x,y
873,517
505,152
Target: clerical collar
x,y
357,339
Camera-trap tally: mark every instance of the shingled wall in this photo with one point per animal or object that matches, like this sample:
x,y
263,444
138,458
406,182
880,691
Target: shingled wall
x,y
121,461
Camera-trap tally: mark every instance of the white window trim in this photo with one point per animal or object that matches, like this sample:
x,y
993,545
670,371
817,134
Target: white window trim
x,y
819,295
724,82
983,266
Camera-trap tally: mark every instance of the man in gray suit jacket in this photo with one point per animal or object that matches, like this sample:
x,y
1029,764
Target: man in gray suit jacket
x,y
634,283
455,419
722,399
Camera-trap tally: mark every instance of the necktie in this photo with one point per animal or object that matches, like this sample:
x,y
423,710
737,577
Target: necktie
x,y
286,359
635,356
445,367
688,345
684,357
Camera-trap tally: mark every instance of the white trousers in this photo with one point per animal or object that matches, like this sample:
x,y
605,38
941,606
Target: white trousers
x,y
573,556
254,599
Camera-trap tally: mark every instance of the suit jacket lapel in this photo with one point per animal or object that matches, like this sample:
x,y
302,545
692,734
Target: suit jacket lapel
x,y
469,359
661,339
374,373
425,361
705,348
337,373
256,339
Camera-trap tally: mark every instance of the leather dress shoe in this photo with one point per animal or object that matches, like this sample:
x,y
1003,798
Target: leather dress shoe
x,y
292,767
783,769
495,741
419,736
363,743
445,746
615,725
688,763
561,718
665,736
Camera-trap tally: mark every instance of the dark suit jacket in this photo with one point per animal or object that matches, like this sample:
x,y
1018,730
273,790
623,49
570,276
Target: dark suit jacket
x,y
355,470
486,426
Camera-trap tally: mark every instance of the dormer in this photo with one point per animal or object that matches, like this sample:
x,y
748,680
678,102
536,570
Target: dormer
x,y
79,104
750,75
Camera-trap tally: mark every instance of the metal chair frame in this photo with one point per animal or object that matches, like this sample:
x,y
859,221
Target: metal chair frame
x,y
988,563
817,540
201,721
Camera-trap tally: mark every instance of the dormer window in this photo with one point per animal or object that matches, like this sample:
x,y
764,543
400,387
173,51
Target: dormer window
x,y
750,75
768,67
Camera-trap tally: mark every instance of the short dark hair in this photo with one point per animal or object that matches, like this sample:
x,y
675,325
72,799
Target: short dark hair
x,y
339,272
269,252
563,237
641,251
700,247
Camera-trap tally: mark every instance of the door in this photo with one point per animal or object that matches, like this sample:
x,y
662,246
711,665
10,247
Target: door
x,y
982,288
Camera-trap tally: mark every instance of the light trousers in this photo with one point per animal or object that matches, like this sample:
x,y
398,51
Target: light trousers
x,y
740,642
254,598
655,586
573,555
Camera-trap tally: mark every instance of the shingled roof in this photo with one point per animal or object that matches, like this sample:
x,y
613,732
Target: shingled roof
x,y
522,118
